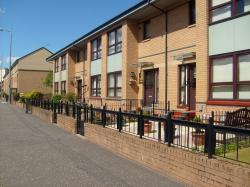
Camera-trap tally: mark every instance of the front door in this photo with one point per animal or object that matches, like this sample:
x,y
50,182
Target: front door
x,y
151,88
187,86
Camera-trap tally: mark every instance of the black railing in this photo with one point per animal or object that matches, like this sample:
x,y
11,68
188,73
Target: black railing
x,y
207,138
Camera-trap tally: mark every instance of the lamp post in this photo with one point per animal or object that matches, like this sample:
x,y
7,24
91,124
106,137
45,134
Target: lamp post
x,y
5,30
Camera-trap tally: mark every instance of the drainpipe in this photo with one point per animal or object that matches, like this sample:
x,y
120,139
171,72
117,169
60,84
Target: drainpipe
x,y
165,47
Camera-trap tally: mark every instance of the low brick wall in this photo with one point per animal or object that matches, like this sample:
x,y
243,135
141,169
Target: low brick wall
x,y
19,105
67,123
191,168
42,114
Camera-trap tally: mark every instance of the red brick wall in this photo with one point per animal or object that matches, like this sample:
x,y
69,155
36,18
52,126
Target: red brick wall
x,y
193,169
67,123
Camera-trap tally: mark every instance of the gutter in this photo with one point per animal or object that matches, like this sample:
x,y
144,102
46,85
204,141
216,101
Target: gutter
x,y
165,49
104,26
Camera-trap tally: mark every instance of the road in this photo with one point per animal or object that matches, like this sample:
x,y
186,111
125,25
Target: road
x,y
34,153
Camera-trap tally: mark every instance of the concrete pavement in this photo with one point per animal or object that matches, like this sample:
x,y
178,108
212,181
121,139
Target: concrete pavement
x,y
33,153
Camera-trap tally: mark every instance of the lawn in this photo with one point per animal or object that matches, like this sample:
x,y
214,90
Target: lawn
x,y
244,155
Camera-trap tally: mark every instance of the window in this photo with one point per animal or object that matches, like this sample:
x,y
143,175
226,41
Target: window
x,y
230,78
56,65
146,30
223,9
96,49
115,84
85,53
96,86
63,88
192,13
115,41
63,62
78,56
79,89
56,88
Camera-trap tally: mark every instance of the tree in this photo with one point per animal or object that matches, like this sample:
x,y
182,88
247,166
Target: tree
x,y
48,81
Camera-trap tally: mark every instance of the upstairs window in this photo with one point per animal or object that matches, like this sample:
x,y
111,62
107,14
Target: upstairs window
x,y
56,65
78,56
223,9
146,30
96,49
192,12
85,53
63,62
115,41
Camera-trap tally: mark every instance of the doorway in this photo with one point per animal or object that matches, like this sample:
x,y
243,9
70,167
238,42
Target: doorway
x,y
151,86
187,86
79,90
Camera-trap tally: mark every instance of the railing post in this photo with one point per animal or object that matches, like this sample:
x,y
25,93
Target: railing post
x,y
211,137
120,119
67,109
61,107
141,125
54,112
27,106
85,113
74,110
159,131
169,129
91,114
104,116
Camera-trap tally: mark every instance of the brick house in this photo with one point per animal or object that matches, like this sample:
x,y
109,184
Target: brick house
x,y
159,51
28,72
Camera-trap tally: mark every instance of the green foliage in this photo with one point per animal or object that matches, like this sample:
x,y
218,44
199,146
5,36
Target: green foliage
x,y
56,98
16,96
35,95
70,97
197,119
231,147
48,81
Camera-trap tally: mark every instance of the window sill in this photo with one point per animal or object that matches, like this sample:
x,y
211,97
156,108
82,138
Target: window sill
x,y
113,98
95,97
229,103
146,40
191,26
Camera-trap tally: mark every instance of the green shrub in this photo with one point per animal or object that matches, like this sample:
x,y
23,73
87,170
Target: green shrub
x,y
56,98
35,95
70,97
16,96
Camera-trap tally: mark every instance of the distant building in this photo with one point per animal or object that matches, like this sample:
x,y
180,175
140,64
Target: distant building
x,y
28,72
3,71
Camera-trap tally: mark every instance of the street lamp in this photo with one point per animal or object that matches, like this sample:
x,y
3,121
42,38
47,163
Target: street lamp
x,y
5,30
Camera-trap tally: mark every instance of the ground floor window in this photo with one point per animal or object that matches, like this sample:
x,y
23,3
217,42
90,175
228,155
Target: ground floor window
x,y
56,88
63,88
230,77
115,84
96,86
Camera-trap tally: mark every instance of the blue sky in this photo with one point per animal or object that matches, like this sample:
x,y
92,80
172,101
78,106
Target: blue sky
x,y
52,23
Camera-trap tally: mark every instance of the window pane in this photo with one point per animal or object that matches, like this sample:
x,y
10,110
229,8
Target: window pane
x,y
183,76
119,80
244,92
244,68
94,45
112,38
219,2
223,70
119,92
112,50
111,92
221,13
243,6
99,54
183,96
93,92
222,92
111,81
119,35
119,47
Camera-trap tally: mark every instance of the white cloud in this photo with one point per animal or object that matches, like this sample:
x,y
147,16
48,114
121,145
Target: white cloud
x,y
13,59
2,11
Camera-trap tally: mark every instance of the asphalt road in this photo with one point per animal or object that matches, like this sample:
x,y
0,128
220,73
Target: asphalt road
x,y
33,153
